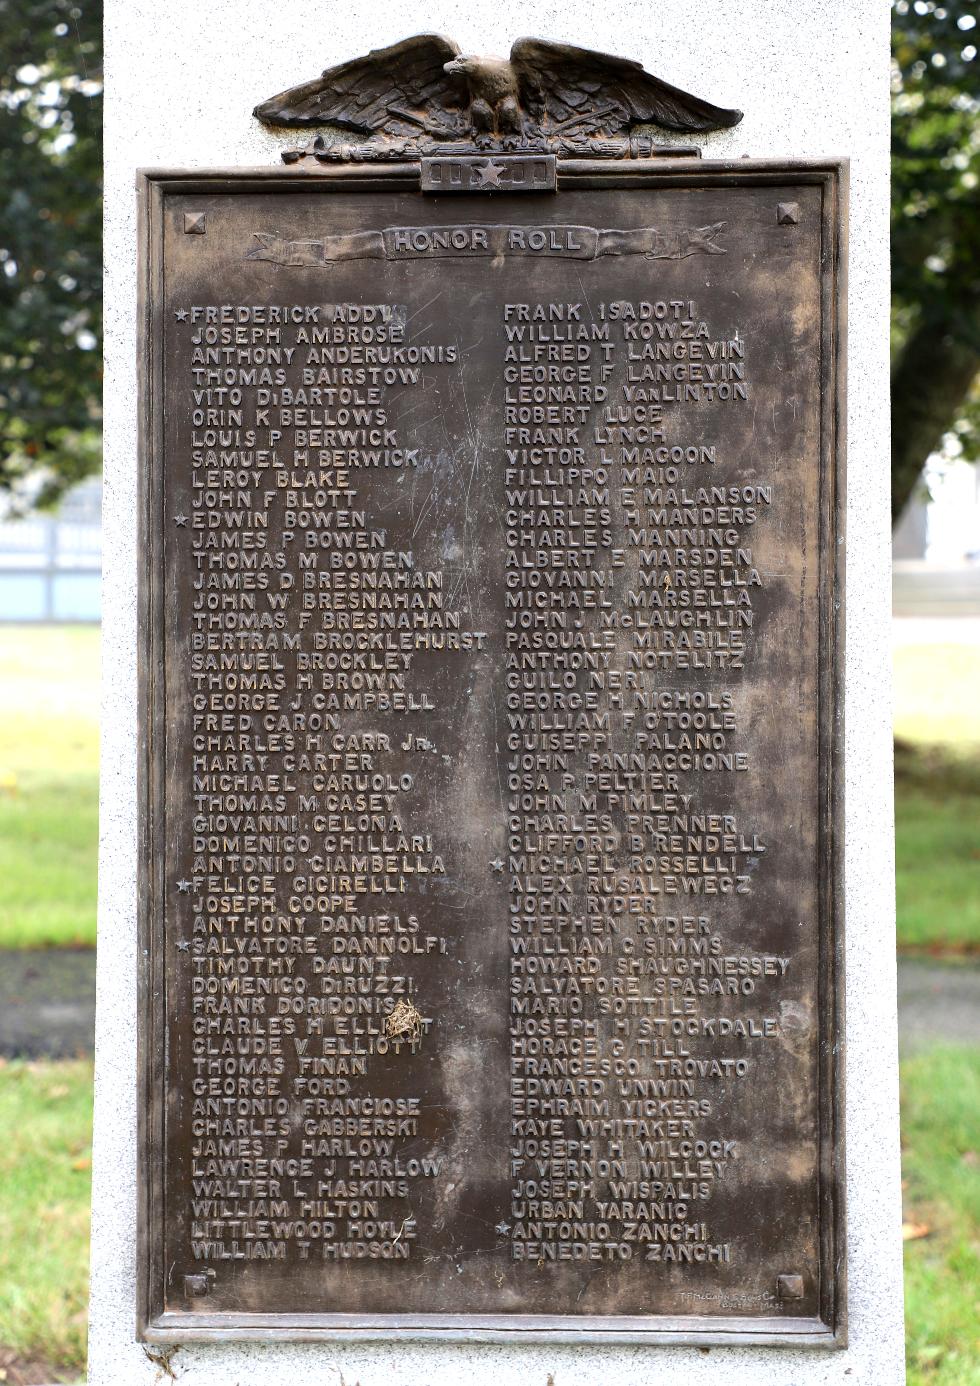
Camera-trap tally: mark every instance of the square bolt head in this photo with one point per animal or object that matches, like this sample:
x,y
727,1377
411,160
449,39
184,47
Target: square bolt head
x,y
195,1286
195,224
787,213
789,1286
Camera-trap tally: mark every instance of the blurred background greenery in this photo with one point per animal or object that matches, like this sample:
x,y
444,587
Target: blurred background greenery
x,y
50,325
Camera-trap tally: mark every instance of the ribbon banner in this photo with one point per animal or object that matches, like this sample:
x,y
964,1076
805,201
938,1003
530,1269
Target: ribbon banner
x,y
468,241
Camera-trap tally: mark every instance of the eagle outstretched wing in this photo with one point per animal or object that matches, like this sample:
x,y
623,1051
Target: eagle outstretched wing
x,y
562,87
392,91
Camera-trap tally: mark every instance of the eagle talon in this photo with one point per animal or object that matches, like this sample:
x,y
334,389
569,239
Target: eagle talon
x,y
481,116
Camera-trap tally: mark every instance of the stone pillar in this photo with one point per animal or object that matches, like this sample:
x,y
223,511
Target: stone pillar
x,y
181,80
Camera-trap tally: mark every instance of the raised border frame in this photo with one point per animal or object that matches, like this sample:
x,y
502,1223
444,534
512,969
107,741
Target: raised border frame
x,y
829,1329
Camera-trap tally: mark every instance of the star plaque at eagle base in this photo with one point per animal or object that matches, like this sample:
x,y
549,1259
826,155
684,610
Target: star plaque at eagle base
x,y
491,808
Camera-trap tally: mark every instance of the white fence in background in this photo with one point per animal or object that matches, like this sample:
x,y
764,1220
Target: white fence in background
x,y
51,565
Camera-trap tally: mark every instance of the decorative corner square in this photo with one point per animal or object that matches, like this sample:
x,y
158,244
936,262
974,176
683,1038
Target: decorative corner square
x,y
789,1286
195,224
787,213
195,1286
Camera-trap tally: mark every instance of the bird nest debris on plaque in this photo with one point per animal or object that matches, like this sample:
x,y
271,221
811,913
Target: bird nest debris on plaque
x,y
405,1022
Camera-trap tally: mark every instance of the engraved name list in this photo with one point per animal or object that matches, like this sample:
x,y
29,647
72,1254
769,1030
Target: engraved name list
x,y
489,733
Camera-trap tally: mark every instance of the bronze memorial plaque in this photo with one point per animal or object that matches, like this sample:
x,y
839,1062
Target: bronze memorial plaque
x,y
492,576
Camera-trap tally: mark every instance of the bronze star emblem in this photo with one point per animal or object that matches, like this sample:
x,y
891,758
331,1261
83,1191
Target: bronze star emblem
x,y
489,173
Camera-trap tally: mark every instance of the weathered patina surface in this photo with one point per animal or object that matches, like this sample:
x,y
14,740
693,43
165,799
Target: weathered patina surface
x,y
490,896
422,97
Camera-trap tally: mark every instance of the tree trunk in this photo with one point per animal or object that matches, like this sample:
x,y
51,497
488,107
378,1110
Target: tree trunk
x,y
930,380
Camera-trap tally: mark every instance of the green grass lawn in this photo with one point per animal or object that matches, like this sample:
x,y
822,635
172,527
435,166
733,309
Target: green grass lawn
x,y
937,849
941,1168
937,797
45,1178
49,767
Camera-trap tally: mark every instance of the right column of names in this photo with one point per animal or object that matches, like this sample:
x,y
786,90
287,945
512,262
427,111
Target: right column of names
x,y
631,612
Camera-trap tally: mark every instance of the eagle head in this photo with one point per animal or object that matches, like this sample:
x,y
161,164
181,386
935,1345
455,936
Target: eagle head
x,y
489,79
463,66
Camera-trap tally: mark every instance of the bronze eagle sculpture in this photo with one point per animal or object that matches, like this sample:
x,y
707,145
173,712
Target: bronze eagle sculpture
x,y
423,93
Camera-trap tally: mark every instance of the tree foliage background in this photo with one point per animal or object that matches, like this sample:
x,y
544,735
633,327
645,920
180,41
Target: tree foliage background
x,y
935,236
50,245
51,223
